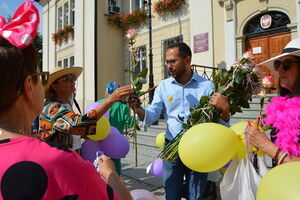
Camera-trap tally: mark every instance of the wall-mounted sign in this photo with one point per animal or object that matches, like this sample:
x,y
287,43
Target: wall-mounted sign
x,y
256,50
265,21
201,43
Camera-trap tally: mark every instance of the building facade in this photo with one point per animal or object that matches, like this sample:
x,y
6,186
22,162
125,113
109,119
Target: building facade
x,y
218,32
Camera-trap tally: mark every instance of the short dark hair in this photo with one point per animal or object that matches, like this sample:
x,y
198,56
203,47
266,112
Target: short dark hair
x,y
15,65
184,49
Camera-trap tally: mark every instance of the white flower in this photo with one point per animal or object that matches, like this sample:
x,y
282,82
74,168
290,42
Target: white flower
x,y
131,34
267,81
248,55
235,65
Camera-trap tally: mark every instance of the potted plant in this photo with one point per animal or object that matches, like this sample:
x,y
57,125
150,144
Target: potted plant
x,y
163,7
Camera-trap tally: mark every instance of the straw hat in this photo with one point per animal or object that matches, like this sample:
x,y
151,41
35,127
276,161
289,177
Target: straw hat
x,y
58,72
292,48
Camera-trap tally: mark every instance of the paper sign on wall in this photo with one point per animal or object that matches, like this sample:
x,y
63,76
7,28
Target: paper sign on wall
x,y
256,50
201,43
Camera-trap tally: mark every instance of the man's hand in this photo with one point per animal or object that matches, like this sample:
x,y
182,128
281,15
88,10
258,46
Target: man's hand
x,y
134,102
221,103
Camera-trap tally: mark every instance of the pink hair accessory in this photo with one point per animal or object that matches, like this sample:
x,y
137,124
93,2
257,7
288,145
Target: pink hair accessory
x,y
22,28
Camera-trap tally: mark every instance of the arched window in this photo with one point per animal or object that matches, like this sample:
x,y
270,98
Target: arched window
x,y
279,24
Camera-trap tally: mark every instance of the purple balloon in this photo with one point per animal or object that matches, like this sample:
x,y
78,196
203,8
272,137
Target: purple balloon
x,y
140,194
89,149
157,168
115,145
93,106
227,165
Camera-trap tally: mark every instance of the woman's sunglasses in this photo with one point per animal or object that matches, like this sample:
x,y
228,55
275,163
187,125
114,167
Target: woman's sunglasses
x,y
68,77
286,64
42,76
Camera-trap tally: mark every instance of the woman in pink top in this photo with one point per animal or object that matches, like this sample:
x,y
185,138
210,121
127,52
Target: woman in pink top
x,y
29,168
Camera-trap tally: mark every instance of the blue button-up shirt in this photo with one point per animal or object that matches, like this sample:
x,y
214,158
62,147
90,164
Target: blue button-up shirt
x,y
176,99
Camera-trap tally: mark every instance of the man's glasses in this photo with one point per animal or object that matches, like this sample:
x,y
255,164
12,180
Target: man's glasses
x,y
286,64
68,77
171,62
42,76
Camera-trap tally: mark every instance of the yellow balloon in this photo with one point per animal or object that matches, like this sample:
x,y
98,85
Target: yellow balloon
x,y
160,140
207,147
281,182
239,129
102,129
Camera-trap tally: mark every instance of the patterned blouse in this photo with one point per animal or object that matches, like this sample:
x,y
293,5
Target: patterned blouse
x,y
57,123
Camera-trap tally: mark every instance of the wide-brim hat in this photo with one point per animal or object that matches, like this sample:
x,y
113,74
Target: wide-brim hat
x,y
58,72
292,49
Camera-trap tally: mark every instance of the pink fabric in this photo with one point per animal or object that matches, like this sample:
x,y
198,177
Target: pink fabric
x,y
22,28
67,173
284,114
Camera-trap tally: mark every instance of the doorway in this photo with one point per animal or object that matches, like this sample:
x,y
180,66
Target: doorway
x,y
266,47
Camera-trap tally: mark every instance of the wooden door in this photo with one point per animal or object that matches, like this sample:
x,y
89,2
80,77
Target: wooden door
x,y
266,47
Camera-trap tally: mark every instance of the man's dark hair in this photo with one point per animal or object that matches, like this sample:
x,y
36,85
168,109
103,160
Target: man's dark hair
x,y
184,49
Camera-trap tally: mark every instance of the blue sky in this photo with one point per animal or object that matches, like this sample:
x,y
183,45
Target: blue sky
x,y
8,7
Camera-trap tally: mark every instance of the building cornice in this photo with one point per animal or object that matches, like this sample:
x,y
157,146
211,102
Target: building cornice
x,y
43,2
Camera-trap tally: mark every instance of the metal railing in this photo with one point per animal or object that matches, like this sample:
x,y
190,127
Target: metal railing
x,y
204,71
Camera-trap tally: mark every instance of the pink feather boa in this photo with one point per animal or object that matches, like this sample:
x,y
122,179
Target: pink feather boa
x,y
284,114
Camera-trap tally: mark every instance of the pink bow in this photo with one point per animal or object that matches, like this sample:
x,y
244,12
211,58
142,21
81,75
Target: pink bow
x,y
22,28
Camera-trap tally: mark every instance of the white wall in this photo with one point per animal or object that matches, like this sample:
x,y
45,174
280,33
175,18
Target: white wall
x,y
84,51
201,22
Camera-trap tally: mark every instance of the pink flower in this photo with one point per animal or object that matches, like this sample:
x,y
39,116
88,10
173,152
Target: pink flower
x,y
248,55
267,81
131,34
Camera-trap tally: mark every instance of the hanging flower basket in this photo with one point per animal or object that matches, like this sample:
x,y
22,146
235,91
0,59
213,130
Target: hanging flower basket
x,y
63,34
163,7
132,20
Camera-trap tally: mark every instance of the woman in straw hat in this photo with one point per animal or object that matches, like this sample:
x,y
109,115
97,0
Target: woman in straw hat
x,y
57,122
30,168
283,112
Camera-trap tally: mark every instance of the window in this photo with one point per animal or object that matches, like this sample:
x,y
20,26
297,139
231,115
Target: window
x,y
72,61
72,20
66,14
166,44
279,24
139,4
59,24
141,56
66,62
113,6
59,63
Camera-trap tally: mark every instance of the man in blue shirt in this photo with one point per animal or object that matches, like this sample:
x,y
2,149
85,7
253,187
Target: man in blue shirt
x,y
176,95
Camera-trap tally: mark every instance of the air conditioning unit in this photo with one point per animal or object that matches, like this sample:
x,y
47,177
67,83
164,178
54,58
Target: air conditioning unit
x,y
113,9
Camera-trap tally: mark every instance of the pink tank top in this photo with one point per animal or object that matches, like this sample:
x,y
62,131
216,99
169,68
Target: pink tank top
x,y
32,169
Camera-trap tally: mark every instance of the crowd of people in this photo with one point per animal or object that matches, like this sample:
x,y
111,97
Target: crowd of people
x,y
42,164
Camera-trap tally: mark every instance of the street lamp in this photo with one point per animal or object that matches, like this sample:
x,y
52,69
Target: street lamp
x,y
151,83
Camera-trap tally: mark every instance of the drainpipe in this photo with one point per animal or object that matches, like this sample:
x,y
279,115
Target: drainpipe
x,y
95,47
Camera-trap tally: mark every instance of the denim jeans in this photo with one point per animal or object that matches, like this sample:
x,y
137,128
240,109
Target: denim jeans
x,y
173,181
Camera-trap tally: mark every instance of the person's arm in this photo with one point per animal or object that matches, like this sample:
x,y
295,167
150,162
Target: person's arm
x,y
259,139
221,103
117,95
107,170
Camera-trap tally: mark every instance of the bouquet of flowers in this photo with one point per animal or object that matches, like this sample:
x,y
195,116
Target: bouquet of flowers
x,y
238,84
